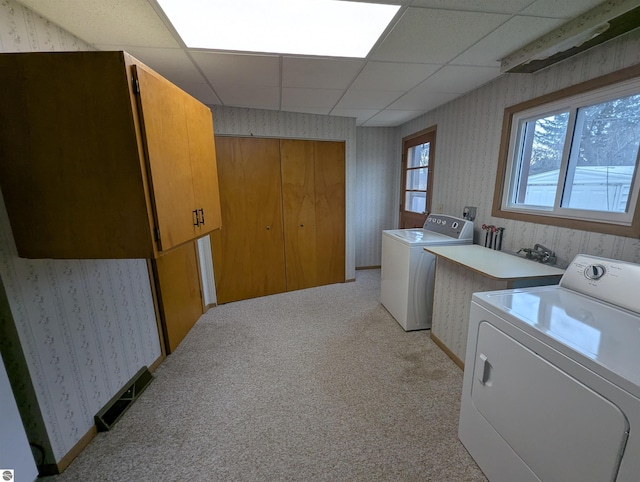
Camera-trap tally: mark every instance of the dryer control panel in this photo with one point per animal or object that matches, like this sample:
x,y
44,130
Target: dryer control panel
x,y
609,280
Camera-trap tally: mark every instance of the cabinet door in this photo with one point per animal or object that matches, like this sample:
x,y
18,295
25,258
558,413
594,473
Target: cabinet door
x,y
202,151
69,162
166,130
249,253
180,294
314,211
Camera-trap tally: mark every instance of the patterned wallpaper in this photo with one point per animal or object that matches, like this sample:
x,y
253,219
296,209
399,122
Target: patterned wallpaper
x,y
376,190
84,327
236,121
469,131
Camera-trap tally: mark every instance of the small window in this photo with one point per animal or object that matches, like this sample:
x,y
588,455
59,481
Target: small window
x,y
417,177
572,158
418,161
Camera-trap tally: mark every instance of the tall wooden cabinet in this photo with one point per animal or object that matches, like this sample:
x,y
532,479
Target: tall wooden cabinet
x,y
283,213
101,157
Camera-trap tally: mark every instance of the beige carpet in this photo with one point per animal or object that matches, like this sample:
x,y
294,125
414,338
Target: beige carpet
x,y
318,384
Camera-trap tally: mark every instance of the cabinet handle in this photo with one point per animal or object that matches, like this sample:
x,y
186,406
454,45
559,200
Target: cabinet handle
x,y
202,214
197,219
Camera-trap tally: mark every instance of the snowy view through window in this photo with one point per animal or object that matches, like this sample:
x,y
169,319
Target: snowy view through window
x,y
601,142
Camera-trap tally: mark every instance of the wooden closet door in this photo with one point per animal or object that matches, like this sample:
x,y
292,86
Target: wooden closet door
x,y
330,211
248,251
299,211
314,211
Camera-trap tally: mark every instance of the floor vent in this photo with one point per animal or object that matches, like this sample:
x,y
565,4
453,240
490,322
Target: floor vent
x,y
107,417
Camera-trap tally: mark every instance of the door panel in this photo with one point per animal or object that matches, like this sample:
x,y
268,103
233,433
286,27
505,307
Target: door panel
x,y
180,293
202,151
299,212
249,257
314,210
330,211
167,145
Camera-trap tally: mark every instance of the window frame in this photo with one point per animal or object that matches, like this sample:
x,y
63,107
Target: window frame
x,y
550,103
429,135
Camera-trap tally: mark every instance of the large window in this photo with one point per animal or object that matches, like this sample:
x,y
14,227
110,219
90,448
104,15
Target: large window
x,y
572,158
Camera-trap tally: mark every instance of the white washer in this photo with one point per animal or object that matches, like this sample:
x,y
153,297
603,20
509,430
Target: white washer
x,y
408,271
551,388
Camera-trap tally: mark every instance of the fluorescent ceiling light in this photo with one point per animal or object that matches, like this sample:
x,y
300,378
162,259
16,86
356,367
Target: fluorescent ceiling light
x,y
308,27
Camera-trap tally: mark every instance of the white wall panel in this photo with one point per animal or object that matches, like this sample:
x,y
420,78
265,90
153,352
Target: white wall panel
x,y
15,452
377,190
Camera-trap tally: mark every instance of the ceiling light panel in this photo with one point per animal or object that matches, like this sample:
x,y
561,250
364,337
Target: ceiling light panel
x,y
305,27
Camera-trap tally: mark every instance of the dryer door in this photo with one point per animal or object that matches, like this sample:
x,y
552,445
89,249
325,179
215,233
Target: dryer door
x,y
560,428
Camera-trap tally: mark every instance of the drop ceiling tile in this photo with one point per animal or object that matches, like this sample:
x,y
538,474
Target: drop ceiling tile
x,y
387,2
392,118
361,115
560,8
174,64
371,99
516,33
121,22
458,79
421,99
200,91
495,6
392,75
435,36
306,110
253,97
319,73
238,69
321,98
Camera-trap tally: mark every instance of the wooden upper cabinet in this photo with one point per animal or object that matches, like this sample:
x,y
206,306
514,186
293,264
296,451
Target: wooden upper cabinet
x,y
100,157
204,168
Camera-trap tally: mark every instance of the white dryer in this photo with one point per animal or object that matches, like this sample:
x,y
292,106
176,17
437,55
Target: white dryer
x,y
551,387
407,275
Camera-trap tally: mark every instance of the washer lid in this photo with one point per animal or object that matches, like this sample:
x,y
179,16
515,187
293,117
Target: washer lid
x,y
422,237
601,335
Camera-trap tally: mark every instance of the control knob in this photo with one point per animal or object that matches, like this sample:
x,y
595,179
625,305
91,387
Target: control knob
x,y
595,271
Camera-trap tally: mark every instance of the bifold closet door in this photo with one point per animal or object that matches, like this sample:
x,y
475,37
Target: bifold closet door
x,y
248,251
313,191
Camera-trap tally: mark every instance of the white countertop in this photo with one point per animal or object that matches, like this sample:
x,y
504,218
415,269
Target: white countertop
x,y
494,264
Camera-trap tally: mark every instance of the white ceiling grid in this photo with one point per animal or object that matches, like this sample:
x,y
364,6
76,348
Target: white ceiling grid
x,y
433,52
